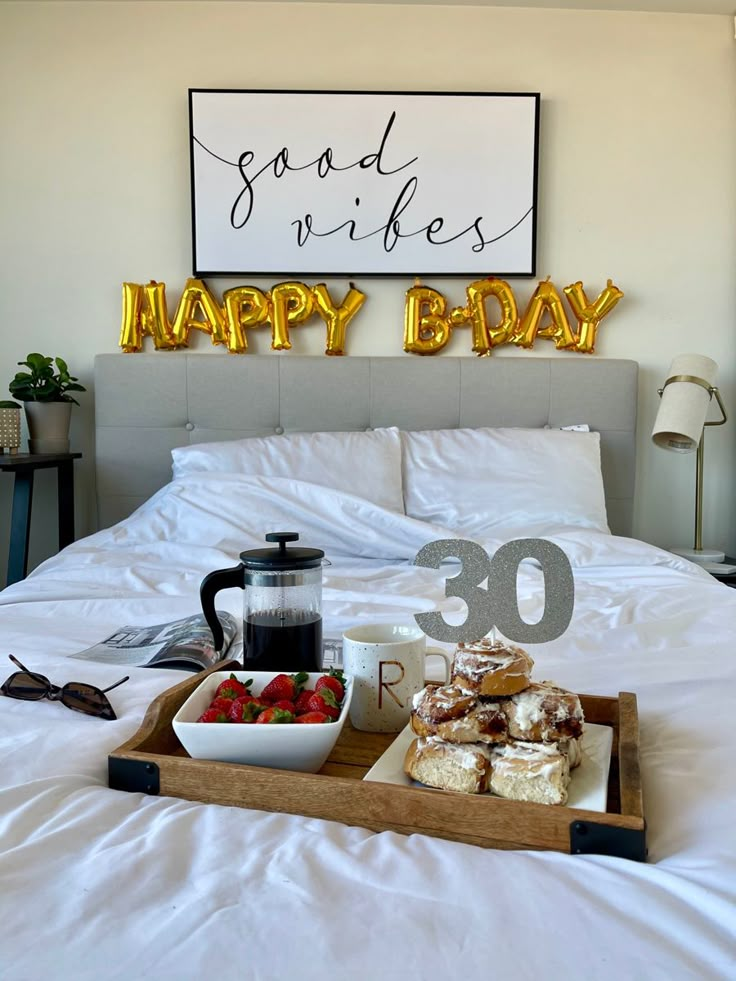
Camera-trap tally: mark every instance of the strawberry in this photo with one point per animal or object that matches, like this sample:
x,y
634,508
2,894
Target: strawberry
x,y
247,708
274,715
286,705
300,705
232,688
313,717
284,686
213,715
335,681
223,704
324,701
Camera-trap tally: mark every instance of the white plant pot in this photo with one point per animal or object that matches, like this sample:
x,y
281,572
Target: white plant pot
x,y
48,426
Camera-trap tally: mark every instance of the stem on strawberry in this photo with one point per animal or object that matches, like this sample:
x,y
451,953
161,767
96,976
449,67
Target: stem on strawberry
x,y
300,679
329,697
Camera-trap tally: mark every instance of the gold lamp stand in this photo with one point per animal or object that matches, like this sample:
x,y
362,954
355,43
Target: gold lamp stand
x,y
698,554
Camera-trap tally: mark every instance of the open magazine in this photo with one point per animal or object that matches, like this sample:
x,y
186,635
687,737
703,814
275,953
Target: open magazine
x,y
183,643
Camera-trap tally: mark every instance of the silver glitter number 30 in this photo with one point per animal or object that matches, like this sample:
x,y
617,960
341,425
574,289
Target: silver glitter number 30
x,y
498,605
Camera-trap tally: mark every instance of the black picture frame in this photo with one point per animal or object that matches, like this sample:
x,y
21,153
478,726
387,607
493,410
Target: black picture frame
x,y
355,183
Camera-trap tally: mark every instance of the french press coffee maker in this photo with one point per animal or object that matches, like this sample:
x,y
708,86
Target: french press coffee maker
x,y
282,605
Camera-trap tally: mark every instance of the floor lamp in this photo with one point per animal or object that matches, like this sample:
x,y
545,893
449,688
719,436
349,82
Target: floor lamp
x,y
680,427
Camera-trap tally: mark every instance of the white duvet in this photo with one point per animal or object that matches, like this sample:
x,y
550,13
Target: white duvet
x,y
96,883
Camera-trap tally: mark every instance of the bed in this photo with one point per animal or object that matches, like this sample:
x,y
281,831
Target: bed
x,y
369,459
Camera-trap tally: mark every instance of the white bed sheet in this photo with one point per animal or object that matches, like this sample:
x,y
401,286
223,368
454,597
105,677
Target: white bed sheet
x,y
96,883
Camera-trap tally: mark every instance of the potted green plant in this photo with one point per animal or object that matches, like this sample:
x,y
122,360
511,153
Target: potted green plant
x,y
44,391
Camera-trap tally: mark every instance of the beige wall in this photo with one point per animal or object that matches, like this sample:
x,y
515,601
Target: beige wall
x,y
637,175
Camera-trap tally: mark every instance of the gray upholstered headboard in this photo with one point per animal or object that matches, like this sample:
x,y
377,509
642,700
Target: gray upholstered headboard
x,y
146,404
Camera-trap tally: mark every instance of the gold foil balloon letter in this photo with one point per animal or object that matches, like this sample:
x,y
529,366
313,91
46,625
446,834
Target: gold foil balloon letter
x,y
144,312
589,315
131,334
485,337
337,318
198,310
545,299
245,306
426,329
291,304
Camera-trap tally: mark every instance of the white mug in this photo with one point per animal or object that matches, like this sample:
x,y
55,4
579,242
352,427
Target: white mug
x,y
387,663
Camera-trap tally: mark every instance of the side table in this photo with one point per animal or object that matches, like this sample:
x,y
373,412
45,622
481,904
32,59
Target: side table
x,y
24,465
730,579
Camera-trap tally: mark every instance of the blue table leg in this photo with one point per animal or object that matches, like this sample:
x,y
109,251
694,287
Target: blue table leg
x,y
20,526
65,476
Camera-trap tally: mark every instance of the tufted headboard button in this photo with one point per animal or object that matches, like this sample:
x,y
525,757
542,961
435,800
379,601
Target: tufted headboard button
x,y
189,427
279,430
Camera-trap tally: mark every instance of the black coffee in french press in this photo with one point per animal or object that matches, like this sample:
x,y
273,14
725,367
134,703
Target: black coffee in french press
x,y
282,605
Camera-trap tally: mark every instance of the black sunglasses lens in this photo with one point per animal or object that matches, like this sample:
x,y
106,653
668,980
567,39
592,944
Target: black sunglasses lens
x,y
22,684
87,699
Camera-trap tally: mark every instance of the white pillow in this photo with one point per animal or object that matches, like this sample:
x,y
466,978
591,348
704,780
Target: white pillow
x,y
504,482
367,464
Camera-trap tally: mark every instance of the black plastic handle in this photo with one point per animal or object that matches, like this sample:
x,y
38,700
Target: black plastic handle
x,y
282,536
212,584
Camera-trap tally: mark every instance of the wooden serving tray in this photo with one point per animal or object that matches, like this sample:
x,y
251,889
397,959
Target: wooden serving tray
x,y
153,761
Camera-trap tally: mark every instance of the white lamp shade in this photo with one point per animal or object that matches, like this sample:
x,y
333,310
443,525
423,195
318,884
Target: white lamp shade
x,y
683,408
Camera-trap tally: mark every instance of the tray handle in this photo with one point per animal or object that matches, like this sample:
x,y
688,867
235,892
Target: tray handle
x,y
632,801
165,706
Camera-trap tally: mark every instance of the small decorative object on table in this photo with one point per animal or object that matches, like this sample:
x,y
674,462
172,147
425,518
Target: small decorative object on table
x,y
9,426
48,404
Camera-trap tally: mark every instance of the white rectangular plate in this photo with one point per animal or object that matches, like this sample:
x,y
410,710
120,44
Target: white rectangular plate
x,y
588,786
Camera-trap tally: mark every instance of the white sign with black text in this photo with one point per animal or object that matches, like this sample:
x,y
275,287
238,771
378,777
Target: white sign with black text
x,y
349,183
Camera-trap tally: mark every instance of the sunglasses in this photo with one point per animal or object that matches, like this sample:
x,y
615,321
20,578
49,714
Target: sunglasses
x,y
32,687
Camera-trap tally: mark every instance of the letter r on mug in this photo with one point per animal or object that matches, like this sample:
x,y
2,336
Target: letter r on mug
x,y
389,684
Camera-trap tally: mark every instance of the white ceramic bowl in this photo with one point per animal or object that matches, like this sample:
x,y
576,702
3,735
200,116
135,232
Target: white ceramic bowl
x,y
285,746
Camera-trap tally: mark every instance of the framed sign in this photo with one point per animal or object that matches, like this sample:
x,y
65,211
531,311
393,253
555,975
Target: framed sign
x,y
363,183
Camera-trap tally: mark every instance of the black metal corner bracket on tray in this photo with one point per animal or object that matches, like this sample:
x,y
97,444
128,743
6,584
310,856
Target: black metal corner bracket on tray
x,y
591,838
135,776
